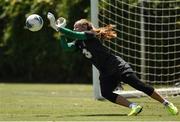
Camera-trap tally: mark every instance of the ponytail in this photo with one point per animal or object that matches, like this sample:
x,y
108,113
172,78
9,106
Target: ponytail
x,y
106,32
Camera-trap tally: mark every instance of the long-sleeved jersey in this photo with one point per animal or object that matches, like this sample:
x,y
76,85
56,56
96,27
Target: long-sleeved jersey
x,y
92,48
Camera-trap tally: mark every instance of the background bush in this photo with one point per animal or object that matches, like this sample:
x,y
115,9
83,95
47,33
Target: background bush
x,y
37,56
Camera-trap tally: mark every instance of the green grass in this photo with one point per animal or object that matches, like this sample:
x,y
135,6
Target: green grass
x,y
59,102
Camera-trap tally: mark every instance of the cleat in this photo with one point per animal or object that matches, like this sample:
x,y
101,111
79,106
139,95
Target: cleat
x,y
135,110
171,109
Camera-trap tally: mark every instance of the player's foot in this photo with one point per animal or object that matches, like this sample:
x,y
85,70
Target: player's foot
x,y
135,110
171,109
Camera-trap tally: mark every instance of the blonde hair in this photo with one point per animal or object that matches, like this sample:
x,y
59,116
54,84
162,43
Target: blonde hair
x,y
106,32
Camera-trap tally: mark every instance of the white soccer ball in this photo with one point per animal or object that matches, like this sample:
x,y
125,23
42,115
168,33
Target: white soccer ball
x,y
34,22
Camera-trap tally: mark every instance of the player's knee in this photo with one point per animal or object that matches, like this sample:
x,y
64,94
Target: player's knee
x,y
109,96
150,90
146,89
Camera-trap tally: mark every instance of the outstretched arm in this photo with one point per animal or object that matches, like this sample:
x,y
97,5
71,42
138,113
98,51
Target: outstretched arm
x,y
68,47
60,26
73,34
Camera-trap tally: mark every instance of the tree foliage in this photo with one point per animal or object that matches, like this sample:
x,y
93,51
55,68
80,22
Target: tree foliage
x,y
37,56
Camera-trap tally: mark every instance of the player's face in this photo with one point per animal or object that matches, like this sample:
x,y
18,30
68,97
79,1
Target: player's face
x,y
80,27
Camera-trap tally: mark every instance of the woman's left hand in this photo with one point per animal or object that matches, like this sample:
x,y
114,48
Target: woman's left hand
x,y
61,22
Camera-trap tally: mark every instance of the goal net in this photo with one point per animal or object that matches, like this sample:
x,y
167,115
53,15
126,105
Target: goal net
x,y
148,38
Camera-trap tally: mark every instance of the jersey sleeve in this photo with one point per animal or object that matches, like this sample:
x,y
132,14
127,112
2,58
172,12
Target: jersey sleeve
x,y
73,34
68,47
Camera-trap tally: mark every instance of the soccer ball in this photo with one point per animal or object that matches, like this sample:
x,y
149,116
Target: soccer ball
x,y
34,22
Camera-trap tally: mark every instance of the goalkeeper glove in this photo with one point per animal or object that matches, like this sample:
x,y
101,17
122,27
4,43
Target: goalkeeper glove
x,y
61,22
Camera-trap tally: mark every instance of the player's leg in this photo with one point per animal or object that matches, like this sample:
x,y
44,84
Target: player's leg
x,y
168,105
135,108
107,85
133,80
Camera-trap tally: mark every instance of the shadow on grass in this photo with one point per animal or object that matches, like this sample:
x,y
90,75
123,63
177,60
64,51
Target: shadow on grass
x,y
91,115
105,115
42,115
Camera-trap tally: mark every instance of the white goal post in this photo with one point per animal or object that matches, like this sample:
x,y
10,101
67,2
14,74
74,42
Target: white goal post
x,y
148,38
94,20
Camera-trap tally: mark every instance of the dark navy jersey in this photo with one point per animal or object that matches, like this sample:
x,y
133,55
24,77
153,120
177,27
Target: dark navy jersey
x,y
101,57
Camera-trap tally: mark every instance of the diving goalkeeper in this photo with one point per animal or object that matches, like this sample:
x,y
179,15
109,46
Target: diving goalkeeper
x,y
112,68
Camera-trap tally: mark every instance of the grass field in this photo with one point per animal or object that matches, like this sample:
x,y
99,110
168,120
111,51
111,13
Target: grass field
x,y
60,102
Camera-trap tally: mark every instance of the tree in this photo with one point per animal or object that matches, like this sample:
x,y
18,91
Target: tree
x,y
28,56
